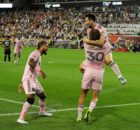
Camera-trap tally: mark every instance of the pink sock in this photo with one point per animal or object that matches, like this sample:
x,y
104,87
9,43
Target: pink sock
x,y
116,69
42,105
25,108
92,105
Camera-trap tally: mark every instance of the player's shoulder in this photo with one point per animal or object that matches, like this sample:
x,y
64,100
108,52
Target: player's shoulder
x,y
101,28
35,53
107,45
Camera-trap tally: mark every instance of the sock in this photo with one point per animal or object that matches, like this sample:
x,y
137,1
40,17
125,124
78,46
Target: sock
x,y
18,59
92,105
80,110
5,58
25,108
116,69
42,106
119,76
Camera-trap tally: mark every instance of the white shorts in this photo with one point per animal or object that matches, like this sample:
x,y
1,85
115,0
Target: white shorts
x,y
32,86
17,51
92,78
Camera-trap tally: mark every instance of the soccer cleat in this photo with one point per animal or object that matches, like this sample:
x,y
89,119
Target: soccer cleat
x,y
79,119
122,80
45,114
87,116
22,121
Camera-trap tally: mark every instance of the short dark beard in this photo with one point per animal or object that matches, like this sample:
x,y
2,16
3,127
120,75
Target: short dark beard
x,y
44,52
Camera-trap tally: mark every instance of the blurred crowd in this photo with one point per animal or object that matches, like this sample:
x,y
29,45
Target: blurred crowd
x,y
124,44
65,26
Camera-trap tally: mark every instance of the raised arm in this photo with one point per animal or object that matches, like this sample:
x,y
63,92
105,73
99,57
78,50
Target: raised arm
x,y
94,42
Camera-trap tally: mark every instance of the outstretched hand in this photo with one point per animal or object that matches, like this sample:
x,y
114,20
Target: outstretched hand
x,y
42,74
20,88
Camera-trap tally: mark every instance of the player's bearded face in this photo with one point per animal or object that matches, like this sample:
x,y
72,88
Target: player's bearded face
x,y
44,51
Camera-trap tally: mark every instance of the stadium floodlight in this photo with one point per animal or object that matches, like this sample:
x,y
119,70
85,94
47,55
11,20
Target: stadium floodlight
x,y
47,5
106,3
116,3
6,5
56,5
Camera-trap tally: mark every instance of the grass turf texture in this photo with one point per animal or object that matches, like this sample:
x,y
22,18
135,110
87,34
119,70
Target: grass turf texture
x,y
62,86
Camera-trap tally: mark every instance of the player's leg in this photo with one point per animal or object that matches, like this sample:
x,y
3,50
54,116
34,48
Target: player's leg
x,y
25,108
19,55
15,55
115,68
92,105
81,104
29,88
9,56
5,56
42,111
96,87
86,83
42,98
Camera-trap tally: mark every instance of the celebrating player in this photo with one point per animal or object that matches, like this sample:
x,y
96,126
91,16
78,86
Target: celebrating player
x,y
17,49
30,83
93,71
90,20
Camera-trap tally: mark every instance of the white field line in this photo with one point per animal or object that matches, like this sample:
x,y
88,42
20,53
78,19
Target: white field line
x,y
107,106
73,109
53,61
12,101
14,114
77,60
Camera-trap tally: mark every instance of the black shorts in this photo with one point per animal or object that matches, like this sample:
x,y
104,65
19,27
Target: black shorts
x,y
7,51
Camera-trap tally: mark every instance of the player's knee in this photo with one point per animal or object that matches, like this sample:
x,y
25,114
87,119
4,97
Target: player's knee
x,y
111,63
42,96
107,62
30,100
108,59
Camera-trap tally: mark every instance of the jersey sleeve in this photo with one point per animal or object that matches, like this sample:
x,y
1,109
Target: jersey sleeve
x,y
34,56
108,48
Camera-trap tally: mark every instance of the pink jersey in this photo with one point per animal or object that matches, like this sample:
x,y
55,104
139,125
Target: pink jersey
x,y
18,46
36,55
94,65
95,55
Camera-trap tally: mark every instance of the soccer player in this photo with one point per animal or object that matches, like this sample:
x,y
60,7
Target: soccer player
x,y
90,20
17,50
30,83
7,49
93,71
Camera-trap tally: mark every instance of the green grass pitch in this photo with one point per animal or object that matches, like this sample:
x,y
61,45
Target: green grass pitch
x,y
62,86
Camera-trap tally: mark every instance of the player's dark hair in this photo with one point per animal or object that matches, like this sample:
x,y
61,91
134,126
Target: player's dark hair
x,y
41,44
91,17
94,34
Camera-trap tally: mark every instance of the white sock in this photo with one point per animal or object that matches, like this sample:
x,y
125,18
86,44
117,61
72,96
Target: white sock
x,y
80,111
